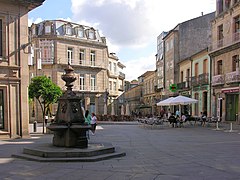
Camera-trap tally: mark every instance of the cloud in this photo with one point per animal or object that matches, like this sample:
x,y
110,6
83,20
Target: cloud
x,y
135,24
122,22
137,67
30,21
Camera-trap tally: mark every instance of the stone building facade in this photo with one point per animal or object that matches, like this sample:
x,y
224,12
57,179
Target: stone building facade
x,y
225,60
14,79
57,43
183,41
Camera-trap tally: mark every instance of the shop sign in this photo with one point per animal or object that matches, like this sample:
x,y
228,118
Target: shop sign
x,y
230,90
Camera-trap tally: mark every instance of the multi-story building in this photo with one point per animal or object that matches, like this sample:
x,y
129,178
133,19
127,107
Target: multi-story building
x,y
181,43
56,43
149,106
13,67
201,89
225,53
160,64
116,82
133,97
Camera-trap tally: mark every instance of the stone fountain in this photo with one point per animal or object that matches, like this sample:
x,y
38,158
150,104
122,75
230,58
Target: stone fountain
x,y
69,126
70,142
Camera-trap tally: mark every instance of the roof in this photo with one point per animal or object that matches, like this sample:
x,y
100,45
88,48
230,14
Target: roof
x,y
31,4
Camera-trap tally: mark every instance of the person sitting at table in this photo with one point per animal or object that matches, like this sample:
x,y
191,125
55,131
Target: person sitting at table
x,y
182,120
172,119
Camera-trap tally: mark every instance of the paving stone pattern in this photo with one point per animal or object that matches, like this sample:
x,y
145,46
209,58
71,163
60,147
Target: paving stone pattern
x,y
190,153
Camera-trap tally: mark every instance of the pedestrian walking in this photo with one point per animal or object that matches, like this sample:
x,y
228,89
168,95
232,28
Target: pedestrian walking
x,y
94,123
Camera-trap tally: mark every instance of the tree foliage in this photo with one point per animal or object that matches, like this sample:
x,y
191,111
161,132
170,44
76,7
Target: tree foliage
x,y
45,91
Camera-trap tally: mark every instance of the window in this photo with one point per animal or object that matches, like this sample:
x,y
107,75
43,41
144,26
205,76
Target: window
x,y
47,29
1,110
91,35
220,36
196,69
70,55
219,67
171,44
237,24
220,32
110,66
92,58
82,82
188,76
227,3
81,56
167,47
47,51
220,6
114,67
114,86
235,62
1,40
181,80
205,66
68,30
93,82
80,32
110,85
34,30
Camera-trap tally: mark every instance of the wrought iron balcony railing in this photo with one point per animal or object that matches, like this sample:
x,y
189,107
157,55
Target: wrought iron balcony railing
x,y
203,79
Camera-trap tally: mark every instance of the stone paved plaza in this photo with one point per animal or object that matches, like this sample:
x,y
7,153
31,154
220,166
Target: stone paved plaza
x,y
190,153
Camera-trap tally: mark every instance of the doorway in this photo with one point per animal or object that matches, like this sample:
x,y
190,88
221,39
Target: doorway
x,y
231,107
204,102
1,110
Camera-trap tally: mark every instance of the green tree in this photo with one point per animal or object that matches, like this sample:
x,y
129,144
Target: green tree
x,y
45,91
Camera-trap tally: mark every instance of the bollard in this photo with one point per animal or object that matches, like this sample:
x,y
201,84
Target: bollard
x,y
35,126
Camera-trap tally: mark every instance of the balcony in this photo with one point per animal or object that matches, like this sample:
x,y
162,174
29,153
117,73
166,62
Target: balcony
x,y
84,88
232,77
121,75
195,81
228,40
87,63
203,79
183,85
218,80
47,60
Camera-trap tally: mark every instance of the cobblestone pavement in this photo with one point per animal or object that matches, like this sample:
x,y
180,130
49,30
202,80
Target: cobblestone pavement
x,y
190,153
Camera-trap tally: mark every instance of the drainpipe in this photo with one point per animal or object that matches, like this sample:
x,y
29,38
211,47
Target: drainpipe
x,y
20,89
9,92
210,86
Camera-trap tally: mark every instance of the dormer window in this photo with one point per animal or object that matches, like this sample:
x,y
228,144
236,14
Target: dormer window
x,y
47,29
80,32
34,30
91,34
68,30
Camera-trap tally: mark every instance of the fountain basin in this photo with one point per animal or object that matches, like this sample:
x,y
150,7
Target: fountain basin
x,y
70,135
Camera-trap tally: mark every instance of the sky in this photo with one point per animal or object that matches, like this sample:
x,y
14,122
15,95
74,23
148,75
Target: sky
x,y
130,26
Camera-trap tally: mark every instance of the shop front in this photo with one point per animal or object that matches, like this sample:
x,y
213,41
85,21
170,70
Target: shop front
x,y
232,103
